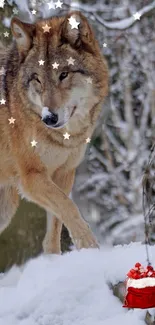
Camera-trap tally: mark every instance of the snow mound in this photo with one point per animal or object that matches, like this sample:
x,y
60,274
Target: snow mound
x,y
70,289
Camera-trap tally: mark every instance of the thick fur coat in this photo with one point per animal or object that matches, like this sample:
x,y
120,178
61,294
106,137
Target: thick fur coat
x,y
46,102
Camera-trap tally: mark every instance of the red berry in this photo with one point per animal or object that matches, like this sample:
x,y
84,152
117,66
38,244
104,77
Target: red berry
x,y
150,268
138,265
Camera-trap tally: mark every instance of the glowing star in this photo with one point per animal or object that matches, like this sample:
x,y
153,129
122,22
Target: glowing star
x,y
70,61
15,11
33,12
89,80
33,143
2,101
73,22
6,34
58,4
51,5
55,65
2,71
2,3
41,62
104,44
11,120
46,28
88,140
137,16
66,136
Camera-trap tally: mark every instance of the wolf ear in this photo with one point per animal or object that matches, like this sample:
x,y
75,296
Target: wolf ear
x,y
83,32
22,33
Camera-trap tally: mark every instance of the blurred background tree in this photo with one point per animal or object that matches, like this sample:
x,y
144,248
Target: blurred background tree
x,y
108,187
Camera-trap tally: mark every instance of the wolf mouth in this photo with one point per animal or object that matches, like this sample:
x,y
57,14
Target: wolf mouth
x,y
62,124
74,108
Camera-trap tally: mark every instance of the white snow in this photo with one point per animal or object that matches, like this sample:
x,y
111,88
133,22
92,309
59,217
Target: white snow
x,y
71,289
127,22
22,5
120,25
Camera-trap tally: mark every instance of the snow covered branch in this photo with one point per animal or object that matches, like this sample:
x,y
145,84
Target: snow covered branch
x,y
97,7
120,25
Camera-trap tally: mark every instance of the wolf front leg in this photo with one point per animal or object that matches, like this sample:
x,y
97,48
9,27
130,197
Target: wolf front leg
x,y
39,188
52,240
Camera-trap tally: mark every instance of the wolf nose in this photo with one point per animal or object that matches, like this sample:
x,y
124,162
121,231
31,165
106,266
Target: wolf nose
x,y
51,119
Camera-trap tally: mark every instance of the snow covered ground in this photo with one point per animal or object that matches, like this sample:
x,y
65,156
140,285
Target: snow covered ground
x,y
71,289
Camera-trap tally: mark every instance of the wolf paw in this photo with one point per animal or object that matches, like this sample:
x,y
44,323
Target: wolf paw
x,y
86,241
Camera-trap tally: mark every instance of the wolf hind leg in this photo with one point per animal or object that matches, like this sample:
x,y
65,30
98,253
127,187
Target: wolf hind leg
x,y
9,201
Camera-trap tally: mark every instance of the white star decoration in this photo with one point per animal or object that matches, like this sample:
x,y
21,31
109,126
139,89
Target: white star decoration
x,y
2,71
2,101
58,4
11,120
73,22
15,11
104,44
137,16
6,34
33,143
41,62
88,140
51,5
46,28
2,3
89,80
66,136
70,61
55,65
33,12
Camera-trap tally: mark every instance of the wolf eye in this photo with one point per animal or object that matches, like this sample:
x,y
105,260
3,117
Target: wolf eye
x,y
63,75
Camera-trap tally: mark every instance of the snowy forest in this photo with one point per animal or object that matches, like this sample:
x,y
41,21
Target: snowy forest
x,y
108,185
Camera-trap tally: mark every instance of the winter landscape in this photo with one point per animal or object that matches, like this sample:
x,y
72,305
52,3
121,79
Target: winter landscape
x,y
73,288
87,287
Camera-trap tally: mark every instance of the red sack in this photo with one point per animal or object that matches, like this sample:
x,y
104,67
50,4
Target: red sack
x,y
140,287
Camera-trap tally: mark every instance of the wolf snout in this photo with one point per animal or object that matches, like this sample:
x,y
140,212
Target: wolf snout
x,y
51,119
48,117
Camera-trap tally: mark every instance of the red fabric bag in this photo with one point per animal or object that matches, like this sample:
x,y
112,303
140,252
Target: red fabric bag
x,y
140,287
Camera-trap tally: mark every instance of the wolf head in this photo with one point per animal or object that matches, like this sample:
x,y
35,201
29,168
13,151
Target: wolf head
x,y
62,73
